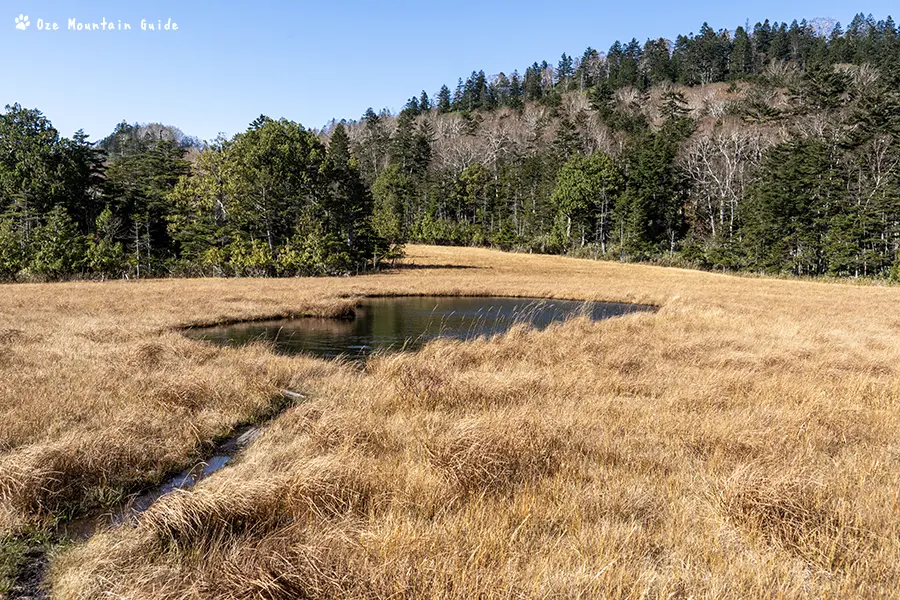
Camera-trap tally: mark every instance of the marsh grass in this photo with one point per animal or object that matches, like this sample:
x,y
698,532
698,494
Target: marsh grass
x,y
740,443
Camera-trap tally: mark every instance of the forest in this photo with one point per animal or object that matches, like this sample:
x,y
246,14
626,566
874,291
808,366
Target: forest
x,y
767,149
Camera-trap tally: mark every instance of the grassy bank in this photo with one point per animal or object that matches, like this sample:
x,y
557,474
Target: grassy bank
x,y
742,442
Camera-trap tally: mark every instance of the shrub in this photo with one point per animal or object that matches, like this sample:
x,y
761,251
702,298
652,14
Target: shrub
x,y
253,259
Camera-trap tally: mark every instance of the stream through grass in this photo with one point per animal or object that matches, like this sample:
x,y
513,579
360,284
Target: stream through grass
x,y
377,325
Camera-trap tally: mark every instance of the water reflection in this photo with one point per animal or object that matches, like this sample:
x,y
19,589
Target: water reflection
x,y
405,323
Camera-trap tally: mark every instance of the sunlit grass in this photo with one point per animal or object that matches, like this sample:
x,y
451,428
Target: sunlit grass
x,y
740,443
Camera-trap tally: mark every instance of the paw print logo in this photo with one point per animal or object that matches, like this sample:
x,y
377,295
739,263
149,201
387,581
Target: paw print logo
x,y
22,22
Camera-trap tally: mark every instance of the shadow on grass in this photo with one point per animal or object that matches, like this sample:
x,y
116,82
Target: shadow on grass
x,y
414,266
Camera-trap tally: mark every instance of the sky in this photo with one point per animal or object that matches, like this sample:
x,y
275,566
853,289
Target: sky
x,y
228,62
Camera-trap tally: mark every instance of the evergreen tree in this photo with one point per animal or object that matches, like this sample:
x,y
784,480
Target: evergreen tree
x,y
444,100
201,205
403,144
83,171
567,140
657,66
349,204
589,69
421,151
274,201
533,89
516,91
56,248
105,255
391,190
650,214
586,190
13,257
786,216
741,63
375,145
460,97
29,164
565,71
139,184
412,106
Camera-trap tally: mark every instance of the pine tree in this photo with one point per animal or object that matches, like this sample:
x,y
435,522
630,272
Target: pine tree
x,y
422,147
412,106
105,254
83,172
587,73
374,147
567,140
656,67
586,189
741,62
391,190
650,214
797,193
349,201
565,71
140,184
459,96
30,152
533,90
202,204
444,100
516,91
403,143
56,249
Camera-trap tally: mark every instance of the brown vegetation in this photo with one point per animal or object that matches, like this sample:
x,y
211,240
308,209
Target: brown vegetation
x,y
740,443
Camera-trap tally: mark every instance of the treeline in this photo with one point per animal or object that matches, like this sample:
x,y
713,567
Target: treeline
x,y
696,59
270,201
772,149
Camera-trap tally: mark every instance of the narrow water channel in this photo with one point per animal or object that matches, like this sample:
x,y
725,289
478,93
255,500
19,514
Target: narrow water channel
x,y
379,324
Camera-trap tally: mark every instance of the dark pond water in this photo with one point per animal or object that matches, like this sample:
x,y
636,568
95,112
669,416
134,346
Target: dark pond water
x,y
405,323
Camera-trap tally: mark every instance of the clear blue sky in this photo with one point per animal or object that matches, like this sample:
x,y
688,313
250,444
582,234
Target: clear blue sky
x,y
311,61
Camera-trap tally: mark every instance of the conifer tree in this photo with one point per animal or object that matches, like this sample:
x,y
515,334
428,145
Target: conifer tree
x,y
444,100
56,248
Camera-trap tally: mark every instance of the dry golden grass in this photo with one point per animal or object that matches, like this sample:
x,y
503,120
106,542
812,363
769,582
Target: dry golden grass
x,y
744,442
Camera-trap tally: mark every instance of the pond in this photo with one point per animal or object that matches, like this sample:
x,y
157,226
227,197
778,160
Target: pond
x,y
407,322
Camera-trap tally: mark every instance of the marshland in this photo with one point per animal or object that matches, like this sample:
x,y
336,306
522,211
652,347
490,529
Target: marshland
x,y
742,441
276,362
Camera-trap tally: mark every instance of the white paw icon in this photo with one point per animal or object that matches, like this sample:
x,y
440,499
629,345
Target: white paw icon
x,y
22,22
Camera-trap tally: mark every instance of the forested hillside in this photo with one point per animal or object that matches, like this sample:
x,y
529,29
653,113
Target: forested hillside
x,y
767,149
270,201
